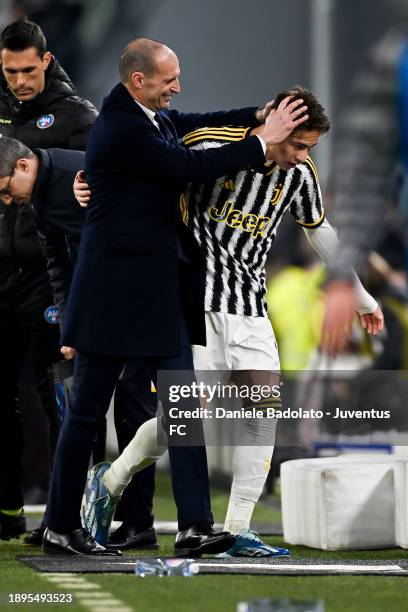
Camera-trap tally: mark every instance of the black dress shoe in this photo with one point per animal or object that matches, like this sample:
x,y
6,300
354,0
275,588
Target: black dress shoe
x,y
201,539
35,537
128,536
77,542
12,526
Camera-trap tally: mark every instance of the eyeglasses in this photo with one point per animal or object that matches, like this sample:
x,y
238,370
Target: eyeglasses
x,y
5,191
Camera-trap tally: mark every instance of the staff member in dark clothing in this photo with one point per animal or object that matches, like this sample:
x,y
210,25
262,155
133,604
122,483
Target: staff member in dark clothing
x,y
46,185
39,106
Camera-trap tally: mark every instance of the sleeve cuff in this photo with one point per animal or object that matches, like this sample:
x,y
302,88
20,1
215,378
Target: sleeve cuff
x,y
261,140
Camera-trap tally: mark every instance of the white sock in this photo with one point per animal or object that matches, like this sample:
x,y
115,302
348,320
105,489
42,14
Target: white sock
x,y
141,452
250,469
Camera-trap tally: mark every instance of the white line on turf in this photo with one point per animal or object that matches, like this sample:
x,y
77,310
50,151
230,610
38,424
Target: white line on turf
x,y
88,594
308,568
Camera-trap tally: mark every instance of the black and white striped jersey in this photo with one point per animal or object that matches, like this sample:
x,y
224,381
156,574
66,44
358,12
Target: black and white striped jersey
x,y
235,220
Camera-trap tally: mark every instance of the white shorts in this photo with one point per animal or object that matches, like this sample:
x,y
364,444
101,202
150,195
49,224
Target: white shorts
x,y
237,342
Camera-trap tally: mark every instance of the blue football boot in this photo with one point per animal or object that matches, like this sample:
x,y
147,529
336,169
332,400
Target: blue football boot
x,y
249,544
98,505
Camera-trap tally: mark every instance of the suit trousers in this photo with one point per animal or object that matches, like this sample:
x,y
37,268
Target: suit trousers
x,y
95,379
134,404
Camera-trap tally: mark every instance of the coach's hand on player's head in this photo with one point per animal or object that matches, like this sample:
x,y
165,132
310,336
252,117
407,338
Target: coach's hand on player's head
x,y
281,121
263,111
82,192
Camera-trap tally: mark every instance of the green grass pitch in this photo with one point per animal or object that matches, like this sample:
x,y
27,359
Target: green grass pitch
x,y
217,593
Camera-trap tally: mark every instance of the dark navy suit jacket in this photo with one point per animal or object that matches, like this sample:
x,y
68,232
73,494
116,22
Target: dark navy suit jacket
x,y
129,286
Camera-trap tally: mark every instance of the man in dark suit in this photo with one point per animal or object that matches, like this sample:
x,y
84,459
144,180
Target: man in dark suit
x,y
137,289
42,180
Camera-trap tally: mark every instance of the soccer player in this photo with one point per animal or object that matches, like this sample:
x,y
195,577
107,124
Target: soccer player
x,y
235,220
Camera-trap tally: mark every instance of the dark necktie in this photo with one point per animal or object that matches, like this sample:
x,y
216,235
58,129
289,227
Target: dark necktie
x,y
170,136
164,128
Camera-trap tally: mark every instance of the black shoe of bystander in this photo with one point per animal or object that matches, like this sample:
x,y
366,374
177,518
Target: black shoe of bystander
x,y
201,539
77,542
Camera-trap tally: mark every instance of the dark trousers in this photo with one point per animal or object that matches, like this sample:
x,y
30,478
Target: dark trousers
x,y
23,329
95,379
133,405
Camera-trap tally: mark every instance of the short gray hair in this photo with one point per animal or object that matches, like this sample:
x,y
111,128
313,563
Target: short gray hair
x,y
139,56
11,150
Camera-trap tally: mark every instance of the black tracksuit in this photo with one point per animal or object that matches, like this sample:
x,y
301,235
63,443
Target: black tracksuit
x,y
57,117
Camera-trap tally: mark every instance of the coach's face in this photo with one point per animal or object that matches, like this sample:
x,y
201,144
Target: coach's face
x,y
295,149
155,91
19,186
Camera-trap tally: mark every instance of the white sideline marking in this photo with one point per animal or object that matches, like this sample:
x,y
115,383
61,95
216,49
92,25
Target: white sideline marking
x,y
69,579
87,593
109,601
98,608
34,509
300,568
102,594
87,586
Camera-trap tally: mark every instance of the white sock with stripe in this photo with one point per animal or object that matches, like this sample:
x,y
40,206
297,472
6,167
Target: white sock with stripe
x,y
142,451
250,470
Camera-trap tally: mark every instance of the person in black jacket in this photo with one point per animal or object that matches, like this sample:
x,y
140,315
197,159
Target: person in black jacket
x,y
39,106
46,187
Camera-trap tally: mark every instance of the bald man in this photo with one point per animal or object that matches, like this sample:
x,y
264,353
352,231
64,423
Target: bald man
x,y
137,295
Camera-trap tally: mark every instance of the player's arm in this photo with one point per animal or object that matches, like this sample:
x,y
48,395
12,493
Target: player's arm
x,y
325,242
308,211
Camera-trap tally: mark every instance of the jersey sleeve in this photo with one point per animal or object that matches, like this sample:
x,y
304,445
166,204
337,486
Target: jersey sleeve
x,y
307,205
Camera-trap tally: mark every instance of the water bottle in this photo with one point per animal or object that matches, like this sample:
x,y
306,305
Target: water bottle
x,y
150,567
166,567
181,567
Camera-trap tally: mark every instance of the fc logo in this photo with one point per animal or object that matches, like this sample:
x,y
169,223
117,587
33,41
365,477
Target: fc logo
x,y
45,121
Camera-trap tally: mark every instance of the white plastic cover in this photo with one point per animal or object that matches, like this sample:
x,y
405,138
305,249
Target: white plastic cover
x,y
346,502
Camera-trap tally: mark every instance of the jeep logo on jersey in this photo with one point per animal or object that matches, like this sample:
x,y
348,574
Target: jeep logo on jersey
x,y
248,222
45,121
52,315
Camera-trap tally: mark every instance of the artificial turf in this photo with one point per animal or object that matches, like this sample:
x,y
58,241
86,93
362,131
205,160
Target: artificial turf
x,y
219,592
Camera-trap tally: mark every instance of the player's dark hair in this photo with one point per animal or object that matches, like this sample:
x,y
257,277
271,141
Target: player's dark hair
x,y
318,120
23,34
138,56
11,151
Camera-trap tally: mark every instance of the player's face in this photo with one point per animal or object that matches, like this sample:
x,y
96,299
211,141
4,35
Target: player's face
x,y
159,88
18,187
295,148
24,72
